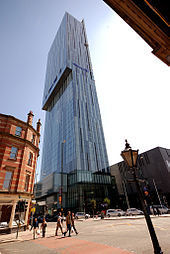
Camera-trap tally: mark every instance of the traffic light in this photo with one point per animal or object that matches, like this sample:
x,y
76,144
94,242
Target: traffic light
x,y
60,199
146,193
20,207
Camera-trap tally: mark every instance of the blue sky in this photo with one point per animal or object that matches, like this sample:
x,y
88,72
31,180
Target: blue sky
x,y
132,84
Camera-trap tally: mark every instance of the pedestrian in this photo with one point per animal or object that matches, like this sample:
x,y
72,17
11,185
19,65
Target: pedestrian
x,y
43,227
72,223
35,227
62,218
157,211
59,224
154,210
68,224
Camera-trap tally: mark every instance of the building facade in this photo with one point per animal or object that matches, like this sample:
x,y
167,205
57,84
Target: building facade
x,y
154,172
73,140
19,149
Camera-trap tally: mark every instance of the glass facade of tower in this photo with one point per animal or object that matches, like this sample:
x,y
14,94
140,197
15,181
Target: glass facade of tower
x,y
73,135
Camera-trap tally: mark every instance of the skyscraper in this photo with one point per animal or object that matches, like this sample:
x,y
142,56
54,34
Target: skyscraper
x,y
74,144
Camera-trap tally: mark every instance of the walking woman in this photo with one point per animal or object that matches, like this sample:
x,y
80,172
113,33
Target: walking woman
x,y
59,224
72,223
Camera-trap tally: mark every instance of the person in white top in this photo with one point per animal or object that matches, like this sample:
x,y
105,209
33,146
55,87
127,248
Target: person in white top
x,y
59,225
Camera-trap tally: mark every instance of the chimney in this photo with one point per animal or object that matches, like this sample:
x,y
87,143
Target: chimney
x,y
38,126
30,117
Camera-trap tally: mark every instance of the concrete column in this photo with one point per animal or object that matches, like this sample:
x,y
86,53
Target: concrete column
x,y
27,212
12,213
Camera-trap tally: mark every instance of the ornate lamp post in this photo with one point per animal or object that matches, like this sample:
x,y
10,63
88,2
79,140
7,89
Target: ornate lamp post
x,y
130,157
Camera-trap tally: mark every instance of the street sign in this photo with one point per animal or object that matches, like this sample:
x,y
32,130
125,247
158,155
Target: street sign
x,y
41,203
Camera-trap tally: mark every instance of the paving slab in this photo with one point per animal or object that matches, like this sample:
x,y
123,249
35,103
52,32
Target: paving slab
x,y
70,245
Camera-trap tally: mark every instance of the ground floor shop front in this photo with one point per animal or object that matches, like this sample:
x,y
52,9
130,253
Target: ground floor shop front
x,y
76,192
14,212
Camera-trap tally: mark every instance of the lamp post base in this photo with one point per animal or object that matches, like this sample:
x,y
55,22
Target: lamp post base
x,y
156,246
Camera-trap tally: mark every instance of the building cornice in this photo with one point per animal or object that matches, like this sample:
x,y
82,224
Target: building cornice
x,y
20,121
24,141
146,23
6,194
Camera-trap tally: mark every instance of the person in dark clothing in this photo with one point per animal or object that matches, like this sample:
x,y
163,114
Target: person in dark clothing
x,y
72,223
154,210
157,211
68,224
35,227
43,227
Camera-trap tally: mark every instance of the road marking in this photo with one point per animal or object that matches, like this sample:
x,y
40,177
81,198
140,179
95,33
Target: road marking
x,y
129,224
13,250
160,227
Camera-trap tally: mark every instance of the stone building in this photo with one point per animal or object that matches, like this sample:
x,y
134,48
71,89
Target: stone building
x,y
19,149
153,174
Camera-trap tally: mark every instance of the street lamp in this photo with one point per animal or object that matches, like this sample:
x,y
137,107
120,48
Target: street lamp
x,y
130,157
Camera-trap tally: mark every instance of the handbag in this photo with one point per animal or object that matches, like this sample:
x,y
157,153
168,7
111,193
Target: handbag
x,y
38,231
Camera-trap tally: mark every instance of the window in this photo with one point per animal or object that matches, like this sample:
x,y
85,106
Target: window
x,y
18,131
27,180
55,79
87,117
146,158
81,141
33,138
88,163
167,151
30,159
96,156
13,153
7,180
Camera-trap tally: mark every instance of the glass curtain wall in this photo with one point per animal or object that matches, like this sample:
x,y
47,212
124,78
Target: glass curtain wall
x,y
73,136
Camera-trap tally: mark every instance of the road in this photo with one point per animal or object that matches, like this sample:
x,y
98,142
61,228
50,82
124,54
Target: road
x,y
120,236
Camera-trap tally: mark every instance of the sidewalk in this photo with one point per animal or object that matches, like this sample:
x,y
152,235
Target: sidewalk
x,y
28,235
134,217
141,216
23,236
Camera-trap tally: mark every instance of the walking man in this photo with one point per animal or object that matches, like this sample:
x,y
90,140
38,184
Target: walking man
x,y
157,211
59,224
35,227
68,224
43,227
72,223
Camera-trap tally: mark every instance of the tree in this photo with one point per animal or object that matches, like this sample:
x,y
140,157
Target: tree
x,y
93,204
106,201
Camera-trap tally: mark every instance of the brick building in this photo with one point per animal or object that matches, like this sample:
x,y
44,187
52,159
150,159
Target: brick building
x,y
19,149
